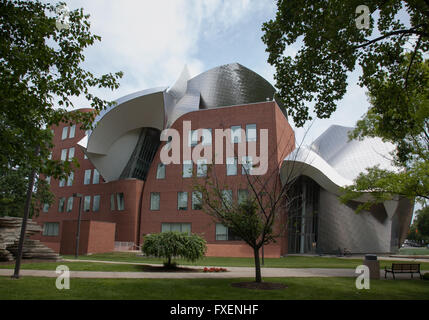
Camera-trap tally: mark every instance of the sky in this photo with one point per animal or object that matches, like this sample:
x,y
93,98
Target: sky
x,y
151,42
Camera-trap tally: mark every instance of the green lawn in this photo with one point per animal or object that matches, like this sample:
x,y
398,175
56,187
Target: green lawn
x,y
201,289
414,251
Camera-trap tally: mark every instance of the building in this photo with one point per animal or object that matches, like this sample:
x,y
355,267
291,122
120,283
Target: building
x,y
129,192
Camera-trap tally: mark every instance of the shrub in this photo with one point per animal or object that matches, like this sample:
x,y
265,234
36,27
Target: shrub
x,y
426,276
169,245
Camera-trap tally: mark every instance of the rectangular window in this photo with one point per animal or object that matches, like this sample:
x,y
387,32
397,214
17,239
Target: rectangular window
x,y
71,153
62,182
187,168
69,204
120,201
227,197
225,234
160,171
87,179
242,195
70,179
86,203
63,154
196,200
45,207
64,134
112,202
235,134
201,167
182,201
96,203
176,227
154,200
50,229
251,132
246,165
231,166
96,177
207,137
61,204
72,131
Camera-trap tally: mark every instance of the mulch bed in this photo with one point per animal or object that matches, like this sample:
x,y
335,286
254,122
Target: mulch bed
x,y
260,285
147,268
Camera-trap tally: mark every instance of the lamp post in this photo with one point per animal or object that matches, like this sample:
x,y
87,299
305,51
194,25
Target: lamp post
x,y
80,196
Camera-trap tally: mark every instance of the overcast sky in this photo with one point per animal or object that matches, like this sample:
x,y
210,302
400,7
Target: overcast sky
x,y
151,41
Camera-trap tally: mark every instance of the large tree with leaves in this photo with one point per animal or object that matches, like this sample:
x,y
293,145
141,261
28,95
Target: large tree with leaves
x,y
41,72
390,52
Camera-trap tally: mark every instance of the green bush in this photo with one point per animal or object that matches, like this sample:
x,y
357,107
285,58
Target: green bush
x,y
169,245
426,276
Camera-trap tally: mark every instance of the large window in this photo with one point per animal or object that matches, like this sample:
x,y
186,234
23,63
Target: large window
x,y
61,204
182,201
176,227
187,168
86,203
71,153
247,164
235,134
227,197
96,203
70,179
251,132
45,207
231,166
207,137
154,200
225,234
242,195
64,134
63,154
96,177
62,182
69,204
196,200
72,131
160,171
87,179
120,201
50,229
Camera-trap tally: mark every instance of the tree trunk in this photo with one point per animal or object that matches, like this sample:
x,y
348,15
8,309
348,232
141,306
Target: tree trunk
x,y
258,277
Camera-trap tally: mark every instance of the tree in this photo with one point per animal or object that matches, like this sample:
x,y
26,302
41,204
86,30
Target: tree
x,y
40,67
334,41
169,245
422,222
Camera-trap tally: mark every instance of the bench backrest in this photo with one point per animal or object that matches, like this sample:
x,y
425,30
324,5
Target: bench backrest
x,y
406,267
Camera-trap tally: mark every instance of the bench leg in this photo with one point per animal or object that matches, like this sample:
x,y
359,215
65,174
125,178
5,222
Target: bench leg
x,y
412,275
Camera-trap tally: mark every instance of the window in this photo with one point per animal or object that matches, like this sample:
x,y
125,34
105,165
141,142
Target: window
x,y
160,171
45,207
251,132
112,202
70,179
201,167
192,138
187,168
48,180
65,131
71,153
87,179
227,197
235,134
63,154
96,203
224,233
62,182
50,229
96,177
207,137
182,201
154,200
69,204
72,131
231,166
86,203
242,195
246,166
61,204
120,201
176,227
196,200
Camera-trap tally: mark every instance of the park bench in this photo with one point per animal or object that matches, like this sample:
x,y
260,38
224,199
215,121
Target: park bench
x,y
403,268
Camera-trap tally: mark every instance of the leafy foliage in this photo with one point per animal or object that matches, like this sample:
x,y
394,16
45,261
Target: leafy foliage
x,y
169,245
332,46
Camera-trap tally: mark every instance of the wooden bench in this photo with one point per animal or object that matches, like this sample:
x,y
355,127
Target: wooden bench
x,y
403,268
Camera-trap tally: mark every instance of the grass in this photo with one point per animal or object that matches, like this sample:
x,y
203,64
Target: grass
x,y
203,289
